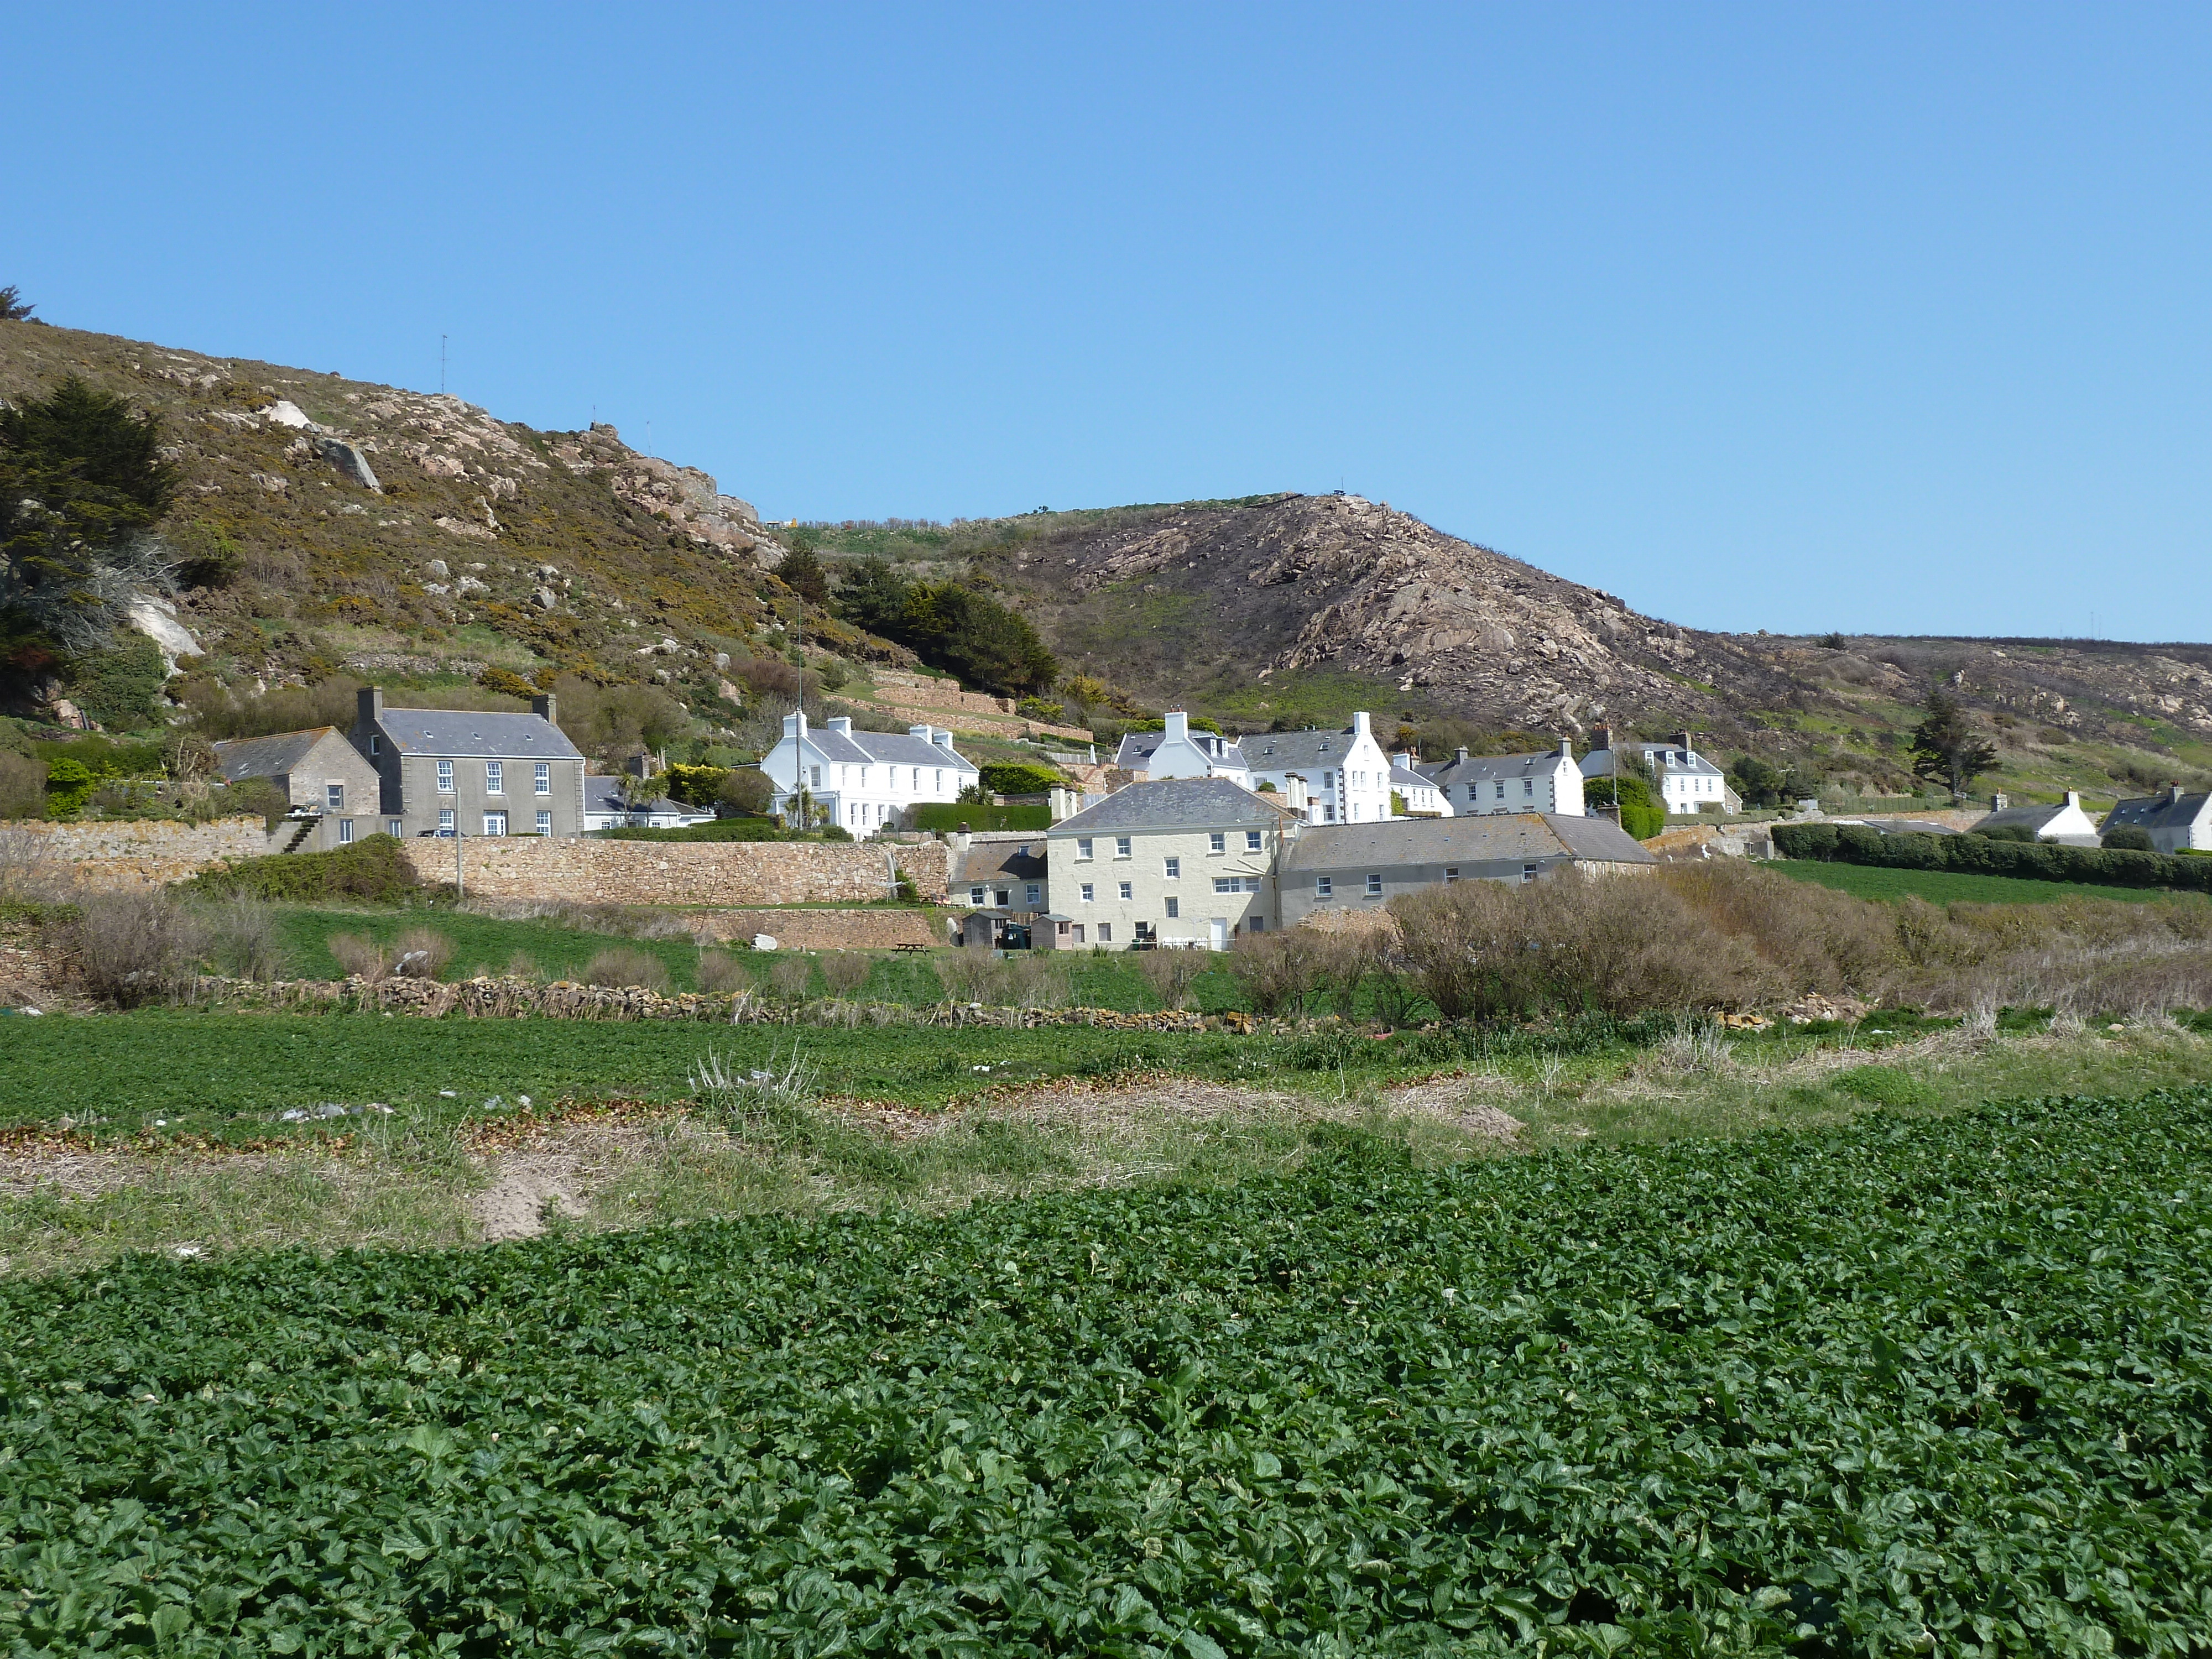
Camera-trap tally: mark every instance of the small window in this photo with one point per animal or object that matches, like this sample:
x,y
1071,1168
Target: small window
x,y
1328,812
1528,873
1217,842
334,797
495,777
1175,909
1255,924
1174,870
1501,789
1451,874
544,823
345,831
545,778
1329,779
1032,893
1086,892
1323,887
445,777
1528,788
445,821
1120,847
1225,883
940,778
395,827
814,777
1083,847
1251,841
975,896
1105,932
376,744
1004,898
1374,883
494,823
1128,891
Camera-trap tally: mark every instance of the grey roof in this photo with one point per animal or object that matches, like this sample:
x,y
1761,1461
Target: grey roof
x,y
2031,817
605,795
2164,811
1903,826
999,860
1173,804
1599,763
892,748
1297,751
1137,747
1499,836
1485,769
1401,778
274,755
471,734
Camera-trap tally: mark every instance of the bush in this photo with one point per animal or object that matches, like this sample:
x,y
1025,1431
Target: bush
x,y
70,784
1640,816
695,786
121,687
1883,1085
846,971
132,949
2129,838
727,830
791,979
358,958
374,869
2019,832
1169,974
621,966
947,816
723,971
2109,865
239,938
421,953
1277,972
1018,778
22,786
743,791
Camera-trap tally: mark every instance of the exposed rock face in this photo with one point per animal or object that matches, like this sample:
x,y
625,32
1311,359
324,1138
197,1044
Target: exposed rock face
x,y
683,495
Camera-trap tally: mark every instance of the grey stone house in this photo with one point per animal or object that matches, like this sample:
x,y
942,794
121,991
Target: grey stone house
x,y
1363,866
336,795
443,771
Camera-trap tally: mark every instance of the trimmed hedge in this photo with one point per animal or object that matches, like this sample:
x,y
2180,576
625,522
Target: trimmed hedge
x,y
1854,843
942,816
724,830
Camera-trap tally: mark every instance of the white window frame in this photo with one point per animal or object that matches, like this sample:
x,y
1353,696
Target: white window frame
x,y
1174,910
1217,842
1451,874
1128,892
1225,883
490,819
395,828
542,778
445,777
1171,868
1374,883
1121,847
334,797
345,832
1085,892
544,823
1324,887
495,777
1032,894
975,898
1251,841
1105,932
1082,848
448,823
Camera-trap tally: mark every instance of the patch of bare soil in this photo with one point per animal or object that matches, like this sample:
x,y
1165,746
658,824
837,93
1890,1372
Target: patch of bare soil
x,y
1451,1100
554,1171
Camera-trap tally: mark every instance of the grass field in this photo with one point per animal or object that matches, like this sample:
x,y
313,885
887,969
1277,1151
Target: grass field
x,y
1903,1386
1944,886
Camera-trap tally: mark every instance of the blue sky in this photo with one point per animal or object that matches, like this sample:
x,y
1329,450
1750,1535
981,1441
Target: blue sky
x,y
1879,318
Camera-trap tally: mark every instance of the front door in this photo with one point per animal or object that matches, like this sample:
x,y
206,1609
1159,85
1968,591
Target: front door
x,y
1220,933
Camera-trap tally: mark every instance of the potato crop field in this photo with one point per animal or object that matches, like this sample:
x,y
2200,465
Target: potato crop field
x,y
1907,1385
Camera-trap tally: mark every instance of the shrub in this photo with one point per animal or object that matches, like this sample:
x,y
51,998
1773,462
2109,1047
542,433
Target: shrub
x,y
1277,972
1018,778
421,953
120,687
374,869
22,786
621,966
695,786
2019,832
846,971
358,958
791,979
727,830
28,871
1883,1085
1640,816
944,817
743,789
132,949
2129,838
1169,974
253,795
70,784
239,938
1980,855
506,683
723,971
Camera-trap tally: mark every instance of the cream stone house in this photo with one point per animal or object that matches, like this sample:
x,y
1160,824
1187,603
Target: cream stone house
x,y
1173,861
336,795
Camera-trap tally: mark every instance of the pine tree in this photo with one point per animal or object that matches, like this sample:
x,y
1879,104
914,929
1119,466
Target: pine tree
x,y
1946,747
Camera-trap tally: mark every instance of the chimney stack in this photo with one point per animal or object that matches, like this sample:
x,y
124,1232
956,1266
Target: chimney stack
x,y
1566,747
1462,759
1603,740
1176,727
1683,739
371,700
1359,726
1999,802
2074,798
547,708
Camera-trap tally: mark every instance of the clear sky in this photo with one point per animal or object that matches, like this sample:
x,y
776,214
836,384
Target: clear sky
x,y
1879,317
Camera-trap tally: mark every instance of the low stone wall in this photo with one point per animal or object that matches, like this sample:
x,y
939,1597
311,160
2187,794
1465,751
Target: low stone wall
x,y
744,872
150,853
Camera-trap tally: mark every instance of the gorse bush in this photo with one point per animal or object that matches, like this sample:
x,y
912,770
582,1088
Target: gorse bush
x,y
1902,1386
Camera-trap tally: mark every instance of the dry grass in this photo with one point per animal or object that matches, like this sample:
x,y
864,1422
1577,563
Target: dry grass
x,y
620,966
722,971
358,958
421,953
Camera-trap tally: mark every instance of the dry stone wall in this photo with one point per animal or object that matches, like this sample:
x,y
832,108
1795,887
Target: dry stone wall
x,y
710,872
148,852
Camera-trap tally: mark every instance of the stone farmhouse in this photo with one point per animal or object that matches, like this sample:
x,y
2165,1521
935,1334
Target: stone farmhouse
x,y
2066,823
1174,861
1547,782
1682,779
2177,822
446,772
1364,866
863,782
335,792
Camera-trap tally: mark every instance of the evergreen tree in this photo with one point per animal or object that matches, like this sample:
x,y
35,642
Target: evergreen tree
x,y
802,572
12,308
1946,747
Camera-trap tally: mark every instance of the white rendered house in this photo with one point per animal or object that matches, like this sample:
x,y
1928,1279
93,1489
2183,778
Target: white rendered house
x,y
863,781
2177,822
1345,775
2065,823
1423,799
1546,781
1681,779
1179,752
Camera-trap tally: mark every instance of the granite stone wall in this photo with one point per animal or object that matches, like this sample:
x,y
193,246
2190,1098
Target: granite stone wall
x,y
717,873
150,852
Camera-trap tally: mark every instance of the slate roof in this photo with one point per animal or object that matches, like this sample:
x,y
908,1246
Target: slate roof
x,y
1505,836
605,795
1902,826
470,734
2159,811
1297,751
1011,859
268,756
1138,748
1173,804
2035,817
1402,779
874,748
1672,755
1486,769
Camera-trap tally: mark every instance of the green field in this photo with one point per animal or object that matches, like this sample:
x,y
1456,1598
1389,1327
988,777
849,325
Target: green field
x,y
1944,886
1905,1386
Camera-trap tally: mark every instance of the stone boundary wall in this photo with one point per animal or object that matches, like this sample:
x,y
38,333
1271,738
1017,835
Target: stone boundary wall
x,y
713,873
144,853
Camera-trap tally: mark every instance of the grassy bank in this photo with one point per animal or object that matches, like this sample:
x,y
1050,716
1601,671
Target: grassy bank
x,y
1946,887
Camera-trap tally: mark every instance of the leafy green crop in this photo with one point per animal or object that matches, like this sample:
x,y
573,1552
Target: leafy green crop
x,y
1905,1387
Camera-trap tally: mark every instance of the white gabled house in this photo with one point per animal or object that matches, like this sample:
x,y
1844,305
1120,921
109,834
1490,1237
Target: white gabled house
x,y
1477,784
1327,777
1422,798
1179,752
2177,822
1682,779
863,782
2065,823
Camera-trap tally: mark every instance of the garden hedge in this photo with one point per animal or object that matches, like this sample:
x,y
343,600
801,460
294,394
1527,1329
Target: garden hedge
x,y
1853,843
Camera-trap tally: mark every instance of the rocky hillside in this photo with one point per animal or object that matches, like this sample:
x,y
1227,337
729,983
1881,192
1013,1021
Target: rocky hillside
x,y
1285,608
358,529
